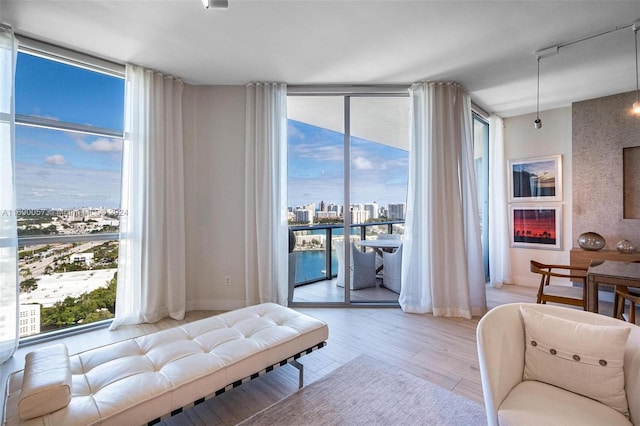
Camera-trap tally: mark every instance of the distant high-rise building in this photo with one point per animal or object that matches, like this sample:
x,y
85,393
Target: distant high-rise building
x,y
303,215
29,320
327,215
372,208
358,214
397,211
323,206
334,208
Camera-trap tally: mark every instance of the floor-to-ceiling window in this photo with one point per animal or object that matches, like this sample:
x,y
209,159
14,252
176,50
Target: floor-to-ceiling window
x,y
347,175
481,157
68,155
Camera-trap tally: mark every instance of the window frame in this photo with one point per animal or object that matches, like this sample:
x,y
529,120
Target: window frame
x,y
89,63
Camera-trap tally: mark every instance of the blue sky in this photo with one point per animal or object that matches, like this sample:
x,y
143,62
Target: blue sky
x,y
56,169
316,168
65,169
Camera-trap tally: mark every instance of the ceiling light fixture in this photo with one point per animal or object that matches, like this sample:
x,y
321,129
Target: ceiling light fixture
x,y
215,4
537,123
636,104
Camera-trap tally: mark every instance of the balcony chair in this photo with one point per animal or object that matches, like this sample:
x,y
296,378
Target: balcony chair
x,y
385,237
553,365
558,293
362,267
392,269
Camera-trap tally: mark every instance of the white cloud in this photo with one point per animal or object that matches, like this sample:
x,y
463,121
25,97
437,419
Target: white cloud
x,y
66,186
294,132
100,145
361,163
56,160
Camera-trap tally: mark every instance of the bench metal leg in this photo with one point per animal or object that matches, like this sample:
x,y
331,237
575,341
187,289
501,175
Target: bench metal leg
x,y
300,368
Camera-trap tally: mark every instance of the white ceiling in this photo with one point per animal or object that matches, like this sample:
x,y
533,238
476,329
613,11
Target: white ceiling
x,y
487,46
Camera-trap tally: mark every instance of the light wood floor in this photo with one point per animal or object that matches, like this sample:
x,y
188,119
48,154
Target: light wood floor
x,y
328,291
441,350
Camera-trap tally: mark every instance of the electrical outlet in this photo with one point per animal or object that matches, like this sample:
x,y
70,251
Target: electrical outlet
x,y
227,280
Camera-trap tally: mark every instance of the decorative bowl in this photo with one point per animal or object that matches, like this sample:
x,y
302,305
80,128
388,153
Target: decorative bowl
x,y
625,246
591,241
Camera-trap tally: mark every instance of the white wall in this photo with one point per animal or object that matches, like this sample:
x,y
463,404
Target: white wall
x,y
214,137
522,140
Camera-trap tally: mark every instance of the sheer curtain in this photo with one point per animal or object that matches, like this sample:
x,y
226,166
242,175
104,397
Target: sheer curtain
x,y
442,268
151,258
8,226
266,235
499,257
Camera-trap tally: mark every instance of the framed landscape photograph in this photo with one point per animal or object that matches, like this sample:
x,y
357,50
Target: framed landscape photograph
x,y
535,179
536,226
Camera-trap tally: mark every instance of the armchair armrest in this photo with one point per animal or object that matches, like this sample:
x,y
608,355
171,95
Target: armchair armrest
x,y
500,337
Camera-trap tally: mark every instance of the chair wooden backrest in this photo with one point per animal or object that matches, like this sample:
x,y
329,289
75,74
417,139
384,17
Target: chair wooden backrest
x,y
561,294
621,296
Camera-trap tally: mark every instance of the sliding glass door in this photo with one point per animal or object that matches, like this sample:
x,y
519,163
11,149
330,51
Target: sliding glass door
x,y
347,175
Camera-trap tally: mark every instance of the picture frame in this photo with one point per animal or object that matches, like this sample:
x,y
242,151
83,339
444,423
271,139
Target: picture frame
x,y
537,226
535,179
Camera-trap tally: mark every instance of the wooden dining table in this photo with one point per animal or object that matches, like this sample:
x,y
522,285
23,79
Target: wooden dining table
x,y
609,272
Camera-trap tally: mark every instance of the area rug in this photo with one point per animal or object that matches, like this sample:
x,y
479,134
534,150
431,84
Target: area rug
x,y
368,391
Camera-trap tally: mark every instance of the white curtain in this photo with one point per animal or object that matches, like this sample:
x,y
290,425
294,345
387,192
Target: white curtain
x,y
151,258
442,268
266,232
499,256
8,226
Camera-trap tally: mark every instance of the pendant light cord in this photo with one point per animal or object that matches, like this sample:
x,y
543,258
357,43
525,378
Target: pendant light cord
x,y
635,39
538,90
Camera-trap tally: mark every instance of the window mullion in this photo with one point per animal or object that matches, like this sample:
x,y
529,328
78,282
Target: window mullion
x,y
48,123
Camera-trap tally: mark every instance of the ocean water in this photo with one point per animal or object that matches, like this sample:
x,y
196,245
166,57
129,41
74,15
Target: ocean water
x,y
310,265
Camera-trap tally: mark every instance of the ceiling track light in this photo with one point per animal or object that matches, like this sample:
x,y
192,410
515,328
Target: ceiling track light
x,y
215,4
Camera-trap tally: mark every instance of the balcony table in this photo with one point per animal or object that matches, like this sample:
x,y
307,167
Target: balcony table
x,y
381,245
612,273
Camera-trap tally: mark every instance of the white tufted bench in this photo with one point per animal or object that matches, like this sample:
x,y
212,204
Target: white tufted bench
x,y
140,380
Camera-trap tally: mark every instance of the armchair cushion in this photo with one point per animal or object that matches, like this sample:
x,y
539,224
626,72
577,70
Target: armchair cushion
x,y
582,358
536,403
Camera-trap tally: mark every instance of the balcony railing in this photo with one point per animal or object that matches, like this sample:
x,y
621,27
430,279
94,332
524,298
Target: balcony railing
x,y
314,243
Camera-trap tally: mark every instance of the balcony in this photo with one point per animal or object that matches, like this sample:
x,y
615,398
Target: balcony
x,y
317,265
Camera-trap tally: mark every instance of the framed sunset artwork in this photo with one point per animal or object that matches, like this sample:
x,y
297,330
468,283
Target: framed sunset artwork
x,y
536,226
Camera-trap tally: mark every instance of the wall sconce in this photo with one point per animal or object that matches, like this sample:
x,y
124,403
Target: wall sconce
x,y
215,4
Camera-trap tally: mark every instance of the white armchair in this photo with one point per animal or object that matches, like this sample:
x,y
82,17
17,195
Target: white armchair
x,y
362,268
509,399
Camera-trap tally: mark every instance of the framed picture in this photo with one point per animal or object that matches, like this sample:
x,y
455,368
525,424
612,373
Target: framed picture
x,y
536,226
535,179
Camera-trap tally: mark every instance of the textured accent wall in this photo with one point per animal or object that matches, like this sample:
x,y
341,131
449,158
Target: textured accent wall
x,y
601,128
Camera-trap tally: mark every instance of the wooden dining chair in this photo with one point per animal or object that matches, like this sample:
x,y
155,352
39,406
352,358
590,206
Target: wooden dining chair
x,y
567,295
622,295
